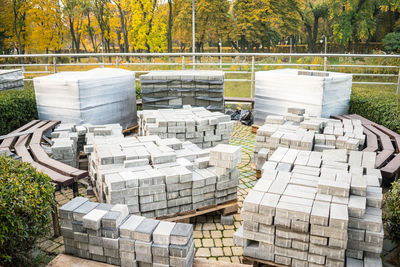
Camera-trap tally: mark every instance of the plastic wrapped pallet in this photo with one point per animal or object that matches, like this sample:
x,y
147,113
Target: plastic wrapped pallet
x,y
173,89
11,79
321,93
98,96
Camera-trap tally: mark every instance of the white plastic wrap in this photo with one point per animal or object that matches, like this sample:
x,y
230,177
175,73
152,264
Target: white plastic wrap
x,y
320,95
11,79
98,96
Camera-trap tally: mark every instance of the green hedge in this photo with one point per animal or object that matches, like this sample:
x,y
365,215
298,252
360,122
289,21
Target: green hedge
x,y
26,203
392,212
17,107
376,104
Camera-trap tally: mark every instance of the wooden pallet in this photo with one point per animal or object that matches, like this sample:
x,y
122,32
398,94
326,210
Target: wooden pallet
x,y
258,172
83,161
226,208
254,128
63,260
258,262
133,129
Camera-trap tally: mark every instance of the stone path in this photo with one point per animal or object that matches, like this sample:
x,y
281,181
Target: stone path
x,y
212,239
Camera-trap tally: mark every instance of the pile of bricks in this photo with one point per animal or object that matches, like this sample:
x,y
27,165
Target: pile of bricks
x,y
173,89
197,125
156,177
300,132
107,233
315,208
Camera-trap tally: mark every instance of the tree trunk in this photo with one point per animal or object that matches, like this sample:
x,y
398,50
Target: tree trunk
x,y
311,45
315,33
234,45
170,27
17,34
91,34
123,30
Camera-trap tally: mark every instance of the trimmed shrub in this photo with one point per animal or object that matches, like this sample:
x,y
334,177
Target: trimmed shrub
x,y
378,106
26,199
391,42
392,214
17,107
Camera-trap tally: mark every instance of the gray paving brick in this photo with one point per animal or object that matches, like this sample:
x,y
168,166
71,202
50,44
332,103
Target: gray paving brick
x,y
67,209
181,234
161,234
145,229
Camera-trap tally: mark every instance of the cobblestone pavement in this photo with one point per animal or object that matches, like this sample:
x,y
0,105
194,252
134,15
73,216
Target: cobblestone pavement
x,y
212,240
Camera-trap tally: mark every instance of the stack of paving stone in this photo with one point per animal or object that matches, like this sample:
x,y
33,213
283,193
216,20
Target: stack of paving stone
x,y
173,89
11,79
225,158
69,139
107,233
64,147
306,133
197,125
315,209
157,177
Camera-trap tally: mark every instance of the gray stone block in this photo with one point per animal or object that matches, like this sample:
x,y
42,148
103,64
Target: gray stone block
x,y
161,234
181,233
67,209
145,229
83,209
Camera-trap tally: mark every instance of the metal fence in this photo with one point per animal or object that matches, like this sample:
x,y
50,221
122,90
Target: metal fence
x,y
367,69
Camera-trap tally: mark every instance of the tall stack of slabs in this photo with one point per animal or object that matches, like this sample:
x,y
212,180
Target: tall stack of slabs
x,y
173,89
321,93
98,96
11,79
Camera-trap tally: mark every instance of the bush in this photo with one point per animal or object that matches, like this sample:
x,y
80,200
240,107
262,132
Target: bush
x,y
17,107
392,214
391,42
382,107
26,199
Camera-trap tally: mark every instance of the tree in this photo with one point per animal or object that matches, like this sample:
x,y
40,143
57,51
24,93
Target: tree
x,y
44,28
353,20
148,29
102,13
310,13
13,17
255,24
123,11
212,21
392,42
74,13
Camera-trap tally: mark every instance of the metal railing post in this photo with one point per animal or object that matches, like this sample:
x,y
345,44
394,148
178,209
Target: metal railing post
x,y
252,77
220,62
194,62
183,62
398,83
117,61
55,64
325,63
102,60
